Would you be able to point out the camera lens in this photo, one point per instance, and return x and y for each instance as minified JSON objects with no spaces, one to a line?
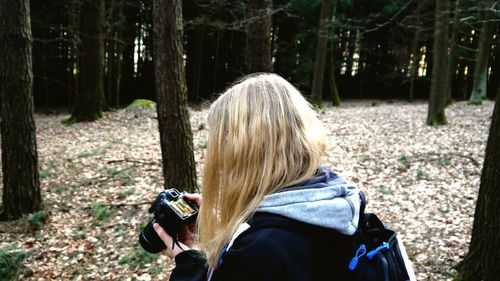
{"x":149,"y":239}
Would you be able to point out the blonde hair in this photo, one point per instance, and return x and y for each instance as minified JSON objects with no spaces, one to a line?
{"x":263,"y":136}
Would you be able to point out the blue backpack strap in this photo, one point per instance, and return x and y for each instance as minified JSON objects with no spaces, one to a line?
{"x":379,"y":254}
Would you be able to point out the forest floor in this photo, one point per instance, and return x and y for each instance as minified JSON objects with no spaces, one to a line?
{"x":99,"y":178}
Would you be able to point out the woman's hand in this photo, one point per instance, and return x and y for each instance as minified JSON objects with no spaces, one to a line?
{"x":169,"y":242}
{"x":196,"y":197}
{"x":185,"y":235}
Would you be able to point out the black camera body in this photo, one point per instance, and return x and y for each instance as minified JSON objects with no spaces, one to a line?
{"x":171,"y":212}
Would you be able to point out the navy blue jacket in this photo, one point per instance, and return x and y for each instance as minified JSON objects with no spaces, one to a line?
{"x":301,"y":233}
{"x":275,"y":248}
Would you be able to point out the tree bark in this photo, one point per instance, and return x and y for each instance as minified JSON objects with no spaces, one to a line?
{"x":128,"y":79}
{"x":21,"y":184}
{"x":415,"y":51}
{"x":286,"y":43}
{"x":334,"y":92}
{"x":74,"y":50}
{"x":194,"y":64}
{"x":176,"y":138}
{"x":452,"y":65}
{"x":258,"y":31}
{"x":481,"y":262}
{"x":437,"y":100}
{"x":114,"y":50}
{"x":480,"y":79}
{"x":321,"y":49}
{"x":90,"y":99}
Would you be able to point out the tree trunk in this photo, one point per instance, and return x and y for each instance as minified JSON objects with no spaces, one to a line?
{"x":286,"y":43}
{"x":481,"y":263}
{"x":321,"y":49}
{"x":452,"y":65}
{"x":114,"y":51}
{"x":216,"y":59}
{"x":415,"y":51}
{"x":176,"y":138}
{"x":334,"y":92}
{"x":74,"y":50}
{"x":258,"y":33}
{"x":437,"y":100}
{"x":128,"y":80}
{"x":480,"y":78}
{"x":21,"y":184}
{"x":90,"y":99}
{"x":194,"y":64}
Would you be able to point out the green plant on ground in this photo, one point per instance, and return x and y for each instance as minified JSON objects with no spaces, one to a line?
{"x":444,"y":161}
{"x":101,"y":213}
{"x":38,"y":219}
{"x":202,"y":144}
{"x":93,"y":152}
{"x":10,"y":263}
{"x":155,"y":271}
{"x":405,"y":160}
{"x":422,"y":175}
{"x":78,"y":234}
{"x":47,"y":168}
{"x":386,"y":190}
{"x":69,"y":121}
{"x":126,"y":193}
{"x":137,"y":258}
{"x":125,"y":177}
{"x":113,"y":170}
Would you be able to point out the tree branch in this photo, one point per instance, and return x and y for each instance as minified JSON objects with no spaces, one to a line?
{"x":379,"y":26}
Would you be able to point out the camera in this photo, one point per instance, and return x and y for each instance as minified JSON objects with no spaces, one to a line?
{"x":171,"y":212}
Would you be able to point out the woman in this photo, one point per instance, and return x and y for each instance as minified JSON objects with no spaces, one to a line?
{"x":270,"y":211}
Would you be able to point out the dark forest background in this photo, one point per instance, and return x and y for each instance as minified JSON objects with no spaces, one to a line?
{"x":88,"y":56}
{"x":373,"y":48}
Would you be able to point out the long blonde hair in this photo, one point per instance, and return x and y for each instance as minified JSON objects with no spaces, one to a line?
{"x":263,"y":136}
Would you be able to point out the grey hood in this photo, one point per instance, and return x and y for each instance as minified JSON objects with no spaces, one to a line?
{"x":326,"y":200}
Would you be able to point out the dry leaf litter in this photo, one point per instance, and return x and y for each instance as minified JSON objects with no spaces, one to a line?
{"x":98,"y":180}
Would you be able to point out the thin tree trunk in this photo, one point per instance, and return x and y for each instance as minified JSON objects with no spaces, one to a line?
{"x":415,"y":51}
{"x":176,"y":138}
{"x":480,"y":79}
{"x":452,"y":65}
{"x":416,"y":59}
{"x":128,"y":80}
{"x":90,"y":99}
{"x":216,"y":59}
{"x":286,"y":43}
{"x":74,"y":34}
{"x":194,"y":64}
{"x":258,"y":33}
{"x":21,"y":184}
{"x":115,"y":56}
{"x":482,"y":260}
{"x":118,"y":67}
{"x":334,"y":92}
{"x":321,"y":50}
{"x":437,"y":100}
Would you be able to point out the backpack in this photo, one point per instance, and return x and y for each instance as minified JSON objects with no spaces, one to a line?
{"x":379,"y":254}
